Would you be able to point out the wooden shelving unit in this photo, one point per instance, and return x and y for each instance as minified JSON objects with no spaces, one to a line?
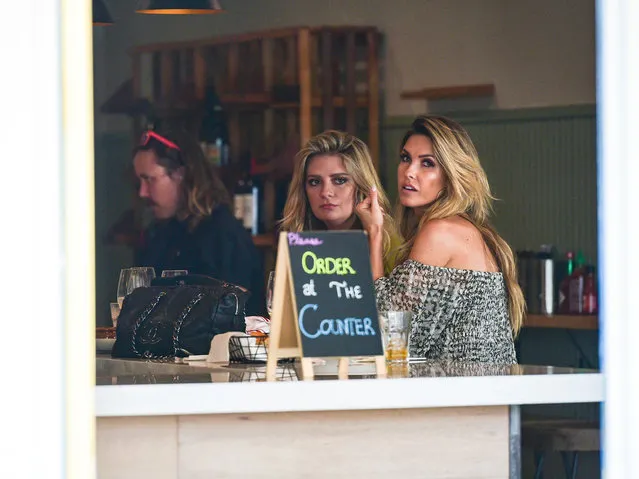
{"x":331,"y":75}
{"x":264,"y":241}
{"x":583,"y":322}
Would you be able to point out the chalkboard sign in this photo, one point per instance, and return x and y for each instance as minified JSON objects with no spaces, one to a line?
{"x":334,"y":294}
{"x":324,"y":300}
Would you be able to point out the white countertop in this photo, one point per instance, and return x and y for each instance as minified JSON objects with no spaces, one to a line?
{"x":141,"y":388}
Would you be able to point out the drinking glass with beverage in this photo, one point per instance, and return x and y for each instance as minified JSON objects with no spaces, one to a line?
{"x":269,"y":292}
{"x":395,"y":327}
{"x":115,"y":313}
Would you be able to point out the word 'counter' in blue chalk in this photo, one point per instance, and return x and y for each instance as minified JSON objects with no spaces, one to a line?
{"x":335,"y":327}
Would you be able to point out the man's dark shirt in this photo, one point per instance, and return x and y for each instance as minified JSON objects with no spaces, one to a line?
{"x":219,"y":247}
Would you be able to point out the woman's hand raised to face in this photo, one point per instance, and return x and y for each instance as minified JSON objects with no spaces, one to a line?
{"x":372,"y":218}
{"x":370,"y":213}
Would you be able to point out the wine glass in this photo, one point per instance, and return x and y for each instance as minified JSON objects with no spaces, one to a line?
{"x":269,"y":292}
{"x":150,"y":273}
{"x":132,"y":278}
{"x":125,"y":274}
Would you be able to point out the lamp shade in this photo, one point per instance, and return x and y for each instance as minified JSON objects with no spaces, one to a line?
{"x":101,"y":15}
{"x":180,"y":7}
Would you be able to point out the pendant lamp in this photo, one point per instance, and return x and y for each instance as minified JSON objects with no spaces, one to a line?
{"x":101,"y":15}
{"x":180,"y":7}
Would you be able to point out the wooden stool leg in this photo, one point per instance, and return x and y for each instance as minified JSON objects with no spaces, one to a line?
{"x":570,"y":464}
{"x":539,"y":464}
{"x":574,"y":465}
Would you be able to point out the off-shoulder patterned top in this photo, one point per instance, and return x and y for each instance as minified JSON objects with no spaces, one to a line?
{"x":458,"y":314}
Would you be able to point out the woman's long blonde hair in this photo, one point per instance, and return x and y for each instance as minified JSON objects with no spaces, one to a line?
{"x":466,"y":193}
{"x":358,"y":163}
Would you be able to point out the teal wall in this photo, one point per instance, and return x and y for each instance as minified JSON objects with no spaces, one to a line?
{"x":541,"y":165}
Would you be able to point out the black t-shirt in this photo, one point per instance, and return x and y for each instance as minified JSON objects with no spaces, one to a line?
{"x":219,"y":247}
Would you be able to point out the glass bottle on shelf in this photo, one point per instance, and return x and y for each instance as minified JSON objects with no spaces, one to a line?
{"x":590,"y":292}
{"x":247,"y":199}
{"x":576,"y":286}
{"x":252,"y":200}
{"x":256,"y":203}
{"x":564,"y":285}
{"x":240,"y":198}
{"x":214,"y":130}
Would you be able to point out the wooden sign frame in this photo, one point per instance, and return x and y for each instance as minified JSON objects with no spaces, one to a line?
{"x":284,"y":339}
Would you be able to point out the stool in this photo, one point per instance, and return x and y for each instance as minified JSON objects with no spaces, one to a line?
{"x":569,"y":437}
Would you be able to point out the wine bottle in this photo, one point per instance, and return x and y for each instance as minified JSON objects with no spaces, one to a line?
{"x":239,"y":199}
{"x":253,"y":200}
{"x":214,"y":130}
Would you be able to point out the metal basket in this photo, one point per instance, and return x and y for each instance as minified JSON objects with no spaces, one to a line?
{"x":285,"y":372}
{"x":248,"y":349}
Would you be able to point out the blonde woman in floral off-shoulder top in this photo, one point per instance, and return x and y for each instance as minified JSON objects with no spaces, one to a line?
{"x":456,"y":274}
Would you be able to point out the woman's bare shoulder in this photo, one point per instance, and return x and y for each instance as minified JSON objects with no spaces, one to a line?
{"x":442,"y":242}
{"x":434,"y":243}
{"x":464,"y":230}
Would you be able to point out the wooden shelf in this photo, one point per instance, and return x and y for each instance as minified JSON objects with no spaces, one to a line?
{"x":251,"y":36}
{"x":193,"y":107}
{"x":265,"y":100}
{"x":449,"y":92}
{"x":245,"y":99}
{"x":264,"y":240}
{"x":564,"y":321}
{"x":285,"y":78}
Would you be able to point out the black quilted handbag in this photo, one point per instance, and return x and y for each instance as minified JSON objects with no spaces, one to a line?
{"x":178,"y":319}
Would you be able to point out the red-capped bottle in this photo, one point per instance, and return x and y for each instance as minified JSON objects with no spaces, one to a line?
{"x":590,"y":292}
